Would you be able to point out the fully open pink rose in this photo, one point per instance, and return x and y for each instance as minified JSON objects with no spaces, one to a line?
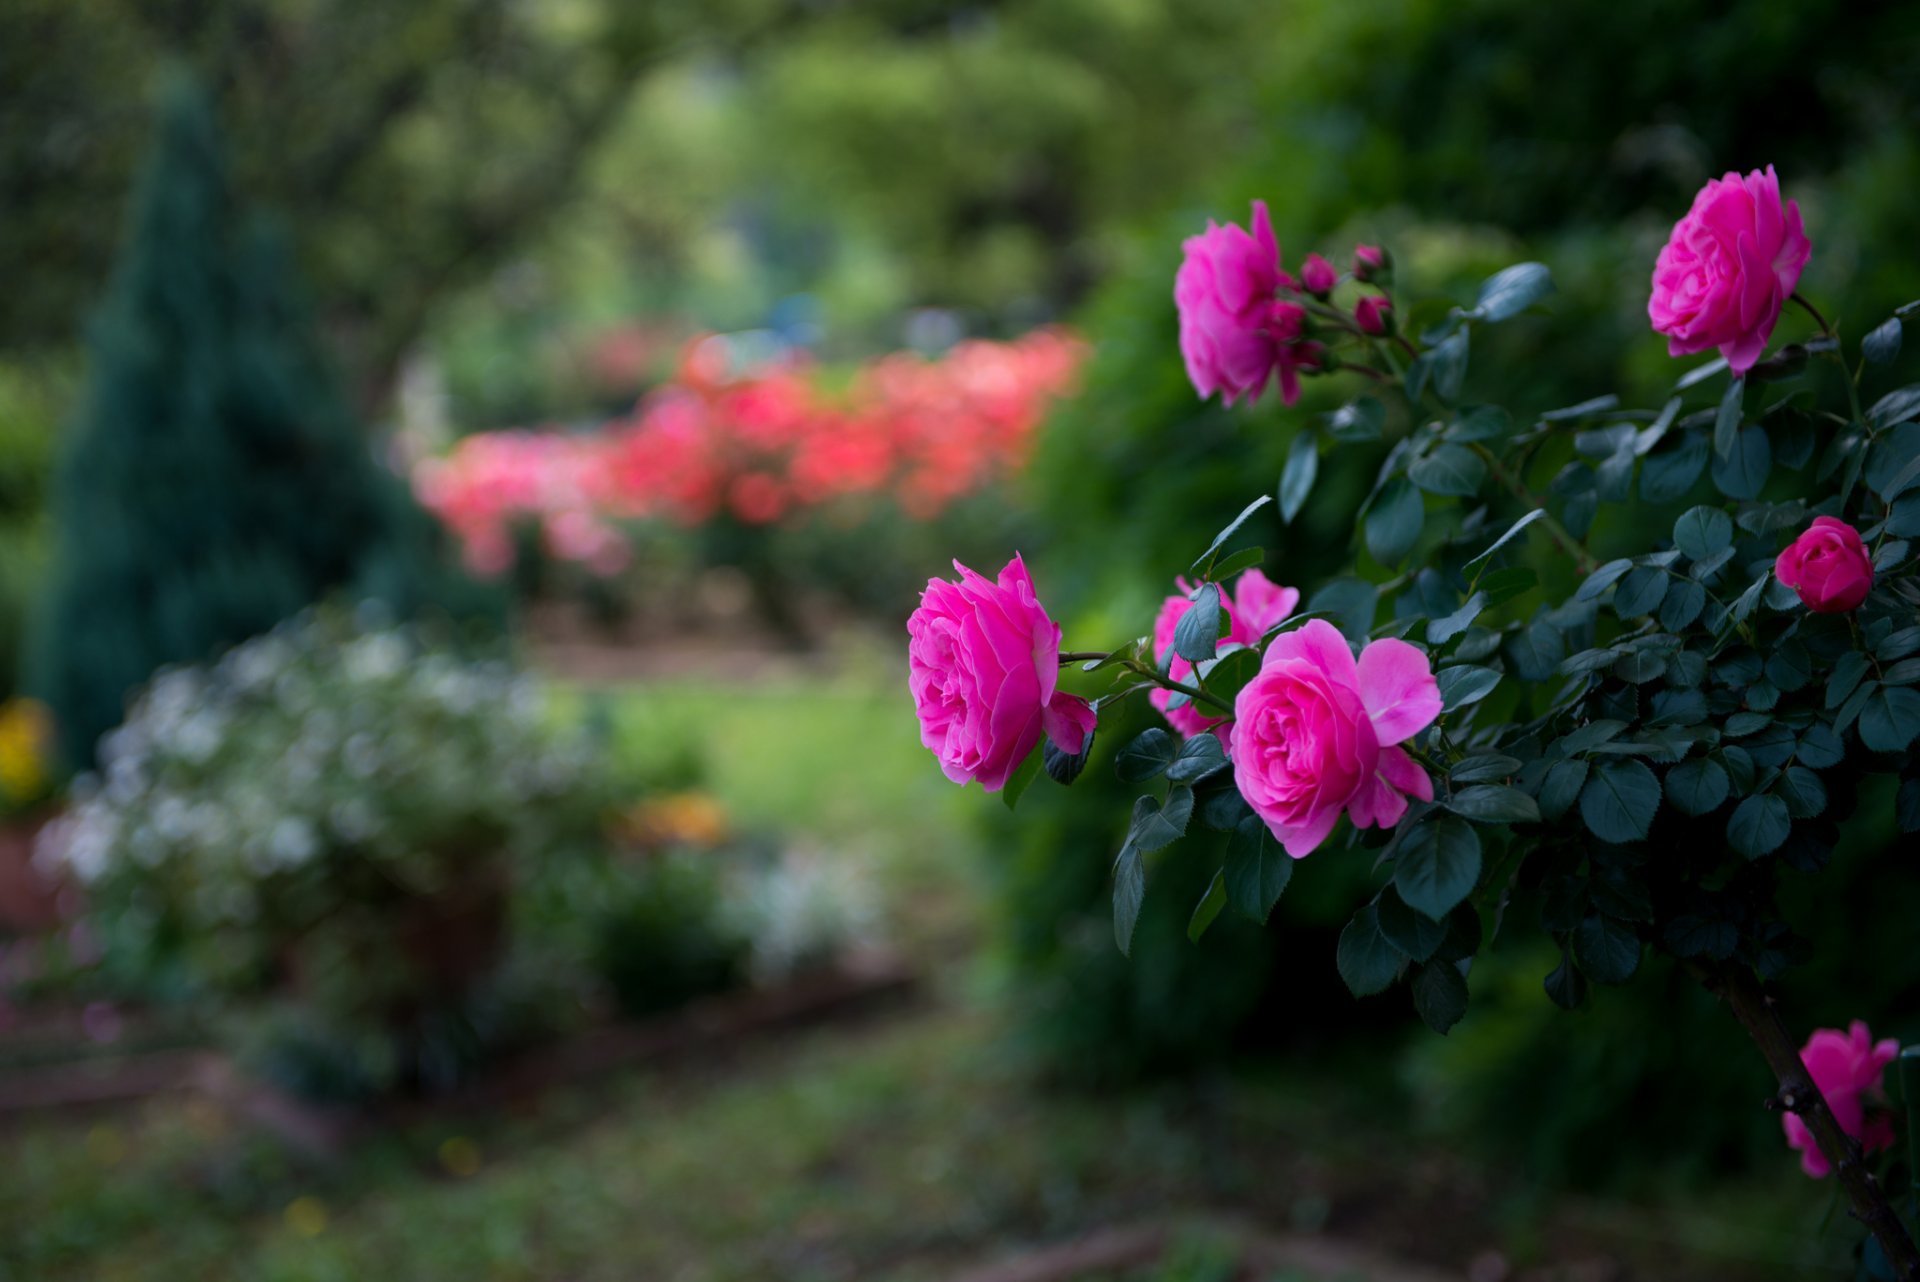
{"x":1846,"y":1067}
{"x":1314,"y":734}
{"x":1256,"y":604}
{"x":982,"y":662}
{"x":1234,"y":334}
{"x":1728,"y":269}
{"x":1828,"y":566}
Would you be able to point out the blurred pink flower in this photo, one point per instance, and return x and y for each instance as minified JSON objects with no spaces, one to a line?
{"x":1256,"y":604}
{"x":1846,"y":1067}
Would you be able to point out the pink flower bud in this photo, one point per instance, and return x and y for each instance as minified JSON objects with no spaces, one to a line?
{"x":1371,"y":313}
{"x":1318,"y":275}
{"x":1368,"y":261}
{"x":1828,"y":566}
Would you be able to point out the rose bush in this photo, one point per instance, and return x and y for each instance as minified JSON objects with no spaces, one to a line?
{"x":1620,"y":736}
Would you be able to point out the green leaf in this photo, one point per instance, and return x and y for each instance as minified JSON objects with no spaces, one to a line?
{"x":1129,"y":890}
{"x":1450,"y":469}
{"x":1440,"y":995}
{"x":1895,"y":407}
{"x":1608,"y":950}
{"x":1883,"y":344}
{"x":1222,"y":810}
{"x":1296,"y":479}
{"x":1156,"y":826}
{"x":1208,"y":908}
{"x":1602,"y":579}
{"x":1447,"y":627}
{"x":1561,"y":788}
{"x":1064,"y":767}
{"x":1669,"y":474}
{"x":1820,"y":747}
{"x":1789,"y":667}
{"x":1640,"y":592}
{"x":1726,"y":420}
{"x":1511,"y":290}
{"x":1758,"y":826}
{"x":1199,"y":757}
{"x":1846,"y":674}
{"x":1494,"y":804}
{"x":1691,"y":936}
{"x":1366,"y":961}
{"x":1243,"y":559}
{"x":1566,"y":986}
{"x":1361,"y":419}
{"x":1200,"y":561}
{"x":1483,"y":766}
{"x":1702,"y":532}
{"x":1437,"y":865}
{"x":1257,"y":869}
{"x":1394,"y":522}
{"x":1151,"y":752}
{"x":1592,"y":735}
{"x":1351,"y":602}
{"x":1022,"y":778}
{"x":1504,"y":539}
{"x":1463,"y":684}
{"x":1742,"y":474}
{"x":1619,"y":801}
{"x":1480,"y":423}
{"x":1682,"y":604}
{"x":1444,"y":366}
{"x":1536,"y":650}
{"x":1801,"y":789}
{"x":1697,"y":786}
{"x":1197,"y":635}
{"x":1414,"y":934}
{"x":1891,"y":719}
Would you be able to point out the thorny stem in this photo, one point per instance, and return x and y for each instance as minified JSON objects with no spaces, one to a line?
{"x":1814,"y":312}
{"x":1518,"y":488}
{"x":1758,"y":1015}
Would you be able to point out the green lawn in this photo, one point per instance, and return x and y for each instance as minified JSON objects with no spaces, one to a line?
{"x":900,"y":1148}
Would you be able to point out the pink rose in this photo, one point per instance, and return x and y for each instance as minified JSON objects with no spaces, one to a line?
{"x":1370,"y":313}
{"x":1314,"y":734}
{"x":1234,"y":334}
{"x":1257,"y":603}
{"x":1728,"y":269}
{"x":1845,"y":1067}
{"x":1828,"y":566}
{"x":1368,"y":261}
{"x":982,"y":662}
{"x":1318,"y":275}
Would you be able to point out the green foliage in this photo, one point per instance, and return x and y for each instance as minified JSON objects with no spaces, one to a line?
{"x":660,"y":938}
{"x":213,"y":482}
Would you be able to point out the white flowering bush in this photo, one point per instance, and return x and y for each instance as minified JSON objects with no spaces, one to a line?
{"x":329,"y":811}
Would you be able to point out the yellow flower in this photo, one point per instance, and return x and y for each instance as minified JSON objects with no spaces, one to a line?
{"x":26,"y":730}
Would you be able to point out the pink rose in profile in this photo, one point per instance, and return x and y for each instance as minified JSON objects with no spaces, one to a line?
{"x":1828,"y":566}
{"x":1370,"y":313}
{"x":982,"y":662}
{"x":1314,"y":734}
{"x":1256,"y":604}
{"x":1234,"y":334}
{"x":1318,"y":275}
{"x":1728,"y":268}
{"x":1846,"y":1067}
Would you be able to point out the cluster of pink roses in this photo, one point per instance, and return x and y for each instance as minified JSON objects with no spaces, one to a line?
{"x":1245,"y":322}
{"x":762,"y":448}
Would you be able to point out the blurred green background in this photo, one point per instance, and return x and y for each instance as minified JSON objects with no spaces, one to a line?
{"x":260,"y":254}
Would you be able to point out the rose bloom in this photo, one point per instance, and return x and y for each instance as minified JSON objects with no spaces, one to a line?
{"x":1234,"y":334}
{"x":1846,"y":1067}
{"x":1314,"y":734}
{"x":1828,"y":566}
{"x":982,"y":662}
{"x":1318,"y":275}
{"x":1370,"y":314}
{"x":1728,"y":268}
{"x":1256,"y":604}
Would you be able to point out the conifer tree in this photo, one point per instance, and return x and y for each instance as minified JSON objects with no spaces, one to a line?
{"x":213,"y":481}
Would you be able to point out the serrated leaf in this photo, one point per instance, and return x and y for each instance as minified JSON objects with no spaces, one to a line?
{"x":1697,"y":786}
{"x":1742,"y":473}
{"x":1064,"y":767}
{"x":1150,"y":753}
{"x":1494,"y":804}
{"x":1437,"y":865}
{"x":1464,"y":684}
{"x":1219,"y":539}
{"x":1882,"y":345}
{"x":1366,"y":961}
{"x":1439,"y":995}
{"x":1758,"y":826}
{"x":1257,"y":870}
{"x":1640,"y":592}
{"x":1702,"y":532}
{"x":1483,"y":766}
{"x":1198,"y":758}
{"x":1197,"y":635}
{"x":1620,"y":800}
{"x":1208,"y":908}
{"x":1669,"y":474}
{"x":1450,"y":470}
{"x":1415,"y":934}
{"x":1512,"y":290}
{"x":1890,"y":720}
{"x":1802,"y":790}
{"x":1561,"y":787}
{"x":1608,"y":950}
{"x":1682,"y":604}
{"x":1447,"y":627}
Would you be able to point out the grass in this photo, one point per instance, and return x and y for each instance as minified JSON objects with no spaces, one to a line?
{"x":895,"y":1150}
